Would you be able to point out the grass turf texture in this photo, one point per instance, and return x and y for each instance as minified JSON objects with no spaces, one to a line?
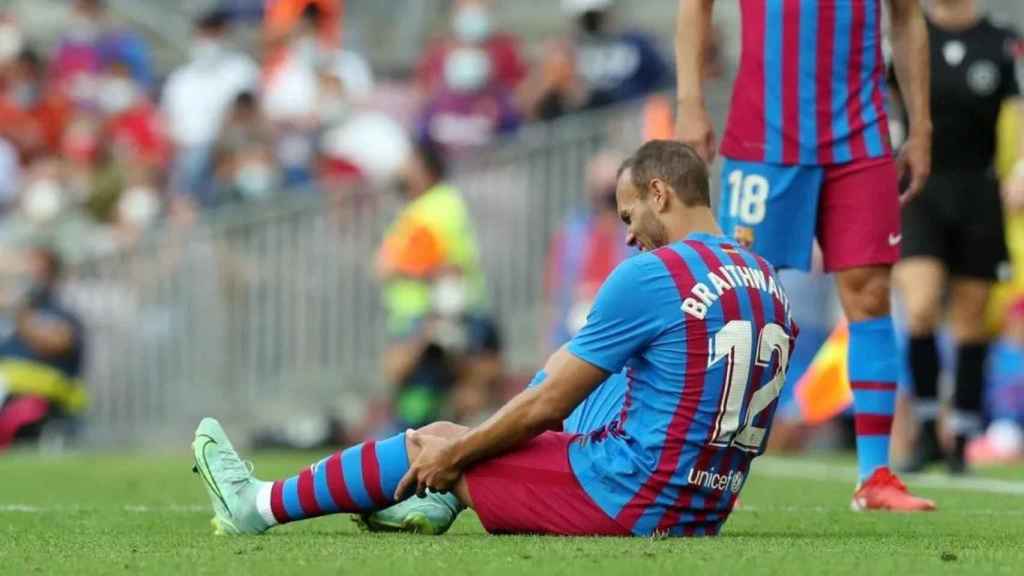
{"x":101,"y":514}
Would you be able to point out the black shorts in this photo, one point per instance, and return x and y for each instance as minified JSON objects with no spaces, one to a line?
{"x":958,"y":219}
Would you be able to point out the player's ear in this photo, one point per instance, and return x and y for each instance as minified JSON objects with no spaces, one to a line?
{"x":660,"y":195}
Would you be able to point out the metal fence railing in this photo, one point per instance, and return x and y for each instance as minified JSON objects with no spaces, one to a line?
{"x":261,"y":311}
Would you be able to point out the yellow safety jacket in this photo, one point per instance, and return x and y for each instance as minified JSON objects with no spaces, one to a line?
{"x":22,"y":376}
{"x":430,"y":235}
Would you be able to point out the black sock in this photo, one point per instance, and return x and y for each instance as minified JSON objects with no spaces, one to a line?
{"x":924,"y":367}
{"x":967,"y":396}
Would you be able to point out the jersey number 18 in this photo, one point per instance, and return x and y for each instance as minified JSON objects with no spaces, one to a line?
{"x":748,"y":197}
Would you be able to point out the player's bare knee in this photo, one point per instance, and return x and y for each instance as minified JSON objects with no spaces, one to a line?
{"x":864,"y":292}
{"x":920,"y":283}
{"x":970,"y":331}
{"x":968,"y":325}
{"x":922,"y":316}
{"x":443,"y":429}
{"x":968,"y":303}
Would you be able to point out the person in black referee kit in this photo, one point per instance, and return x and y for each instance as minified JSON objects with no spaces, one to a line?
{"x":953,"y":236}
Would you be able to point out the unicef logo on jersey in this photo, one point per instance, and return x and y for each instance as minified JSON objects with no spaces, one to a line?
{"x":983,"y":77}
{"x":731,"y":482}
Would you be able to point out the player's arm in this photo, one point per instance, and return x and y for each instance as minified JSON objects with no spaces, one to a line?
{"x":533,"y":411}
{"x":537,"y":409}
{"x":693,"y":35}
{"x":909,"y":38}
{"x":626,"y":316}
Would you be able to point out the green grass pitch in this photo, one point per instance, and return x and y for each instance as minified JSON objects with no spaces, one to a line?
{"x":119,"y":514}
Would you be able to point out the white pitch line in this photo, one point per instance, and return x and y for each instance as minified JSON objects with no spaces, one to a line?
{"x":21,"y":508}
{"x":845,"y":509}
{"x":188,"y":509}
{"x":802,"y":469}
{"x":135,"y":508}
{"x":771,"y":466}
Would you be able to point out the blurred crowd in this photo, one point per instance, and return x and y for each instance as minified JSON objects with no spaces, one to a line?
{"x":97,"y":145}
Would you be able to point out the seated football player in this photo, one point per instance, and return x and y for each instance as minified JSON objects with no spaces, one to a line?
{"x":703,"y":330}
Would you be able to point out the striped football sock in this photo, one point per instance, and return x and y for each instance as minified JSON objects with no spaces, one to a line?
{"x":358,"y":479}
{"x":873,"y":366}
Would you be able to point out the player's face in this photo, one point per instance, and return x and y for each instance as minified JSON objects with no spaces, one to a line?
{"x":644,"y":230}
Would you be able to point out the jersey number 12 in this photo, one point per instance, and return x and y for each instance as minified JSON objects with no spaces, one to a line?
{"x":732,"y":343}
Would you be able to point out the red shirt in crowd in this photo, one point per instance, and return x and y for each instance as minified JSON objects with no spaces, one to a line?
{"x":507,"y":64}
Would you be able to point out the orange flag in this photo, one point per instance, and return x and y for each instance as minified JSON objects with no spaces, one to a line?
{"x":824,"y":390}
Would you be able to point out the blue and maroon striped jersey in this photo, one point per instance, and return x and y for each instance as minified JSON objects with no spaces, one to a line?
{"x":810,"y":83}
{"x":704,"y":332}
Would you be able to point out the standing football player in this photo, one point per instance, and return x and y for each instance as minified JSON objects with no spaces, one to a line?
{"x":807,"y":155}
{"x":953,"y":235}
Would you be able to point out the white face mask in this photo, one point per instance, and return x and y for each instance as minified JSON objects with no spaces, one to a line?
{"x":472,"y":24}
{"x":82,"y":29}
{"x":42,"y":201}
{"x":11,"y":42}
{"x":138,"y":206}
{"x":117,"y":95}
{"x":467,"y":69}
{"x":333,"y":109}
{"x":205,"y":51}
{"x":255,"y":181}
{"x":306,"y":50}
{"x":450,"y":296}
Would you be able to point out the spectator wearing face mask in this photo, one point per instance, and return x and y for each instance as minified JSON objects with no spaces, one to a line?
{"x":470,"y":109}
{"x":245,"y":167}
{"x":129,"y":158}
{"x":309,"y":84}
{"x":445,"y":348}
{"x":305,"y":60}
{"x":472,"y":24}
{"x":123,"y":202}
{"x":197,"y":98}
{"x":12,"y":42}
{"x":290,"y":76}
{"x":91,"y":42}
{"x":132,"y":125}
{"x":48,"y":208}
{"x":31,"y":117}
{"x":616,"y":66}
{"x":41,"y":202}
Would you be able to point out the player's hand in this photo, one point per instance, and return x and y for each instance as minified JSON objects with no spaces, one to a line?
{"x":694,"y":127}
{"x":433,"y":468}
{"x":915,"y":165}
